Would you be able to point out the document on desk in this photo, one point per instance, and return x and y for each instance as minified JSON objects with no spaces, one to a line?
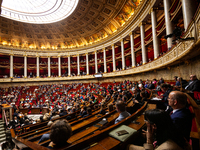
{"x":156,"y":99}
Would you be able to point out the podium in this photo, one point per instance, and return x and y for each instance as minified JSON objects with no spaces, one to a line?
{"x":8,"y":111}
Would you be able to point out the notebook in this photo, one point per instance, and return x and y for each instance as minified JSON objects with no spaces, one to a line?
{"x":124,"y":136}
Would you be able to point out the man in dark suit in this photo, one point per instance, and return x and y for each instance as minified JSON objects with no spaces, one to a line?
{"x":180,"y":115}
{"x":193,"y":84}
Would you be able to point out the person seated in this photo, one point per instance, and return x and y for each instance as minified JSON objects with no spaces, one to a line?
{"x":121,"y":108}
{"x":89,"y":112}
{"x":151,"y":85}
{"x":166,"y":89}
{"x":102,"y":111}
{"x":193,"y":84}
{"x":16,"y":123}
{"x":180,"y":114}
{"x":161,"y":128}
{"x":83,"y":111}
{"x":60,"y":132}
{"x":136,"y":93}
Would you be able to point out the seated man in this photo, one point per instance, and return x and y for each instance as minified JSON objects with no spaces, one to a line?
{"x":180,"y":115}
{"x":166,"y":89}
{"x":193,"y":84}
{"x":59,"y":134}
{"x":121,"y":108}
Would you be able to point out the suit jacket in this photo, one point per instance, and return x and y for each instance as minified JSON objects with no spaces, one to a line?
{"x":182,"y":119}
{"x":194,"y":86}
{"x":122,"y":116}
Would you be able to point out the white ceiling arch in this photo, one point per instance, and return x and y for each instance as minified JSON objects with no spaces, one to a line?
{"x":38,"y":11}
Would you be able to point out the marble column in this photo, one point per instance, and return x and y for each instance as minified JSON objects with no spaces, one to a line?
{"x":132,"y":50}
{"x":78,"y":65}
{"x":69,"y":67}
{"x":113,"y":57}
{"x":154,"y":34}
{"x":168,"y":23}
{"x":49,"y":66}
{"x":59,"y":66}
{"x":142,"y":35}
{"x":104,"y":60}
{"x":87,"y":64}
{"x":96,"y":65}
{"x":188,"y":11}
{"x":25,"y":66}
{"x":38,"y":66}
{"x":122,"y":52}
{"x":11,"y":65}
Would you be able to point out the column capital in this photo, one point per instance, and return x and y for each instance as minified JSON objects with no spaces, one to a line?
{"x":37,"y":56}
{"x":86,"y":53}
{"x":103,"y":48}
{"x":122,"y":40}
{"x":77,"y":55}
{"x":58,"y":56}
{"x":11,"y":54}
{"x":68,"y":55}
{"x":141,"y":23}
{"x":152,"y":9}
{"x":112,"y":44}
{"x":95,"y":51}
{"x":25,"y":55}
{"x":131,"y":33}
{"x":48,"y":56}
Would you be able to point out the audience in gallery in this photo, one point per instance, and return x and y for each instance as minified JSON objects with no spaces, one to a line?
{"x":161,"y":133}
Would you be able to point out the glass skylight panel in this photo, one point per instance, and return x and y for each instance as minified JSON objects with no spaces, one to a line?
{"x":38,"y":11}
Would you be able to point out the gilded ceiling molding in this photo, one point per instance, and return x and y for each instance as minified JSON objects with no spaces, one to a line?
{"x":131,"y":24}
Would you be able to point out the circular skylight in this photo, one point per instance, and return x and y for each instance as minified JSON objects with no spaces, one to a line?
{"x":38,"y":11}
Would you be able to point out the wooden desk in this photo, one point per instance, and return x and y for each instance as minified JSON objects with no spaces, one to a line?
{"x":35,"y":110}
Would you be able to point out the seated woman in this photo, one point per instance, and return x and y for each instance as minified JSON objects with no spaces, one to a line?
{"x":161,"y":128}
{"x":60,"y":132}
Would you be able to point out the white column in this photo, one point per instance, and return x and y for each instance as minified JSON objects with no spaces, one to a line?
{"x":96,"y":65}
{"x":38,"y":66}
{"x":144,"y":53}
{"x":11,"y":65}
{"x":78,"y":64}
{"x":155,"y":38}
{"x":25,"y":66}
{"x":104,"y":60}
{"x":132,"y":50}
{"x":168,"y":22}
{"x":122,"y":52}
{"x":87,"y":64}
{"x":59,"y":66}
{"x":49,"y":66}
{"x":188,"y":11}
{"x":69,"y":67}
{"x":113,"y":57}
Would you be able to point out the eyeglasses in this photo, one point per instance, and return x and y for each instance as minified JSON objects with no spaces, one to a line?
{"x":169,"y":98}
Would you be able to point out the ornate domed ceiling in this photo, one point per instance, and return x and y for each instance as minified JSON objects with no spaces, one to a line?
{"x":91,"y":21}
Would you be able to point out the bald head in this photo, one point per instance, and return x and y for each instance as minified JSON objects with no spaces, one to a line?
{"x":193,"y":77}
{"x":177,"y":100}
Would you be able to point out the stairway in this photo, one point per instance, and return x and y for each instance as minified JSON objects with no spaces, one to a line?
{"x":2,"y":132}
